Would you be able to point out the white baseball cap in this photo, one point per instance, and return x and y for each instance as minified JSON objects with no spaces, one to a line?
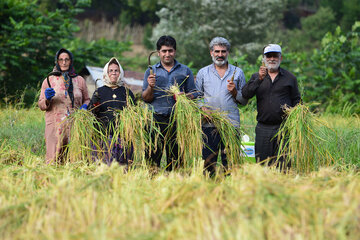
{"x":272,"y":48}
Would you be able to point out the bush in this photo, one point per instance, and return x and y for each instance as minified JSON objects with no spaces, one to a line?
{"x":333,"y":71}
{"x":30,"y":38}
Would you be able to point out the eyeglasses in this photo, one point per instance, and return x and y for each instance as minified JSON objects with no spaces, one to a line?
{"x":64,"y":60}
{"x":113,"y":71}
{"x":272,"y":55}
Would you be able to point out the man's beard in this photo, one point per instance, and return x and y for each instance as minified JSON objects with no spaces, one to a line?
{"x":219,"y":61}
{"x":272,"y":66}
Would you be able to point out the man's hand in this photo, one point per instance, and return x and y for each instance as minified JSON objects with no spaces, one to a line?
{"x":177,"y":94}
{"x":206,"y":113}
{"x":232,"y":88}
{"x":151,"y":80}
{"x":148,"y":93}
{"x":262,"y":72}
{"x":188,"y":95}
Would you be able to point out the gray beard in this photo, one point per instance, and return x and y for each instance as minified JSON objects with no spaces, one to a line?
{"x":272,"y":67}
{"x":219,"y":63}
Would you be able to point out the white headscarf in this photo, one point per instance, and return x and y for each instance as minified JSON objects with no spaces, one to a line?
{"x":106,"y":78}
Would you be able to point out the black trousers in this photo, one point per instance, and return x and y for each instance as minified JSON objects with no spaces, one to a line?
{"x":212,"y":145}
{"x":167,"y":138}
{"x":267,"y":145}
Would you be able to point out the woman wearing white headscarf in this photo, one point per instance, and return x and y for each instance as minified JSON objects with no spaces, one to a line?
{"x":108,"y":98}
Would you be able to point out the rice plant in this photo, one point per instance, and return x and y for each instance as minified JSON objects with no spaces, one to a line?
{"x":301,"y":142}
{"x":88,"y":201}
{"x":187,"y":118}
{"x":86,"y":137}
{"x":135,"y":126}
{"x":230,"y":135}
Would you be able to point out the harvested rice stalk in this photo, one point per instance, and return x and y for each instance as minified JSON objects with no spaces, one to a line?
{"x":134,"y":126}
{"x":301,"y":142}
{"x":85,"y":135}
{"x":230,"y":135}
{"x":187,"y":117}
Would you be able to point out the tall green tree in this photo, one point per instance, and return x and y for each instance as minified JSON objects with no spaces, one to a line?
{"x":330,"y":75}
{"x":346,"y":11}
{"x":29,"y":39}
{"x":334,"y":70}
{"x":195,"y":22}
{"x":313,"y":28}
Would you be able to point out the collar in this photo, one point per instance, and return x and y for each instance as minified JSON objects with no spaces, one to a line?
{"x":230,"y":69}
{"x":281,"y":71}
{"x":176,"y":64}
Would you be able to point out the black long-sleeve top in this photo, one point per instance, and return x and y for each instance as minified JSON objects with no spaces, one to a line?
{"x":272,"y":96}
{"x":106,"y":99}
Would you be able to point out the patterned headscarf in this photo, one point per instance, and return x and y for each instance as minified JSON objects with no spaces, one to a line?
{"x":68,"y":75}
{"x":106,"y":78}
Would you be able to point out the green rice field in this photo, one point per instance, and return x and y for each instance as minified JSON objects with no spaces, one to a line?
{"x":318,"y":199}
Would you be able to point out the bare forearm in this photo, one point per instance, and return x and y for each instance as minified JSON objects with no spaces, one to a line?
{"x":148,"y":94}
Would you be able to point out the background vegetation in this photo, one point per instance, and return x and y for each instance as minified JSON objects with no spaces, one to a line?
{"x":320,"y":39}
{"x":93,"y":201}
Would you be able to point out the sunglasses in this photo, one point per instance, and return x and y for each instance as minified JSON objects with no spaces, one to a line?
{"x":272,"y":55}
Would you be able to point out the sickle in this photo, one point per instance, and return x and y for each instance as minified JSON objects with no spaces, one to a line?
{"x":149,"y":62}
{"x":96,"y":83}
{"x":233,"y":76}
{"x":51,"y":74}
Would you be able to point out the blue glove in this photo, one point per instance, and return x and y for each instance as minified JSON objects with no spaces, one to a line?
{"x":84,"y":107}
{"x":49,"y":93}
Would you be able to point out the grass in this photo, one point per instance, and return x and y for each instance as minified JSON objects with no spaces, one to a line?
{"x":94,"y":201}
{"x":100,"y":202}
{"x":23,"y":129}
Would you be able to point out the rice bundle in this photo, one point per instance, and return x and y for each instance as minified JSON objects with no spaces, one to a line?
{"x":187,"y":118}
{"x":301,"y":142}
{"x":135,"y":126}
{"x":85,"y":135}
{"x":231,"y":137}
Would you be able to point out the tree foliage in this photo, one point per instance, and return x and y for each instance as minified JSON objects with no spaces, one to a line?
{"x":195,"y":22}
{"x":334,"y":70}
{"x":30,"y":38}
{"x":346,"y":11}
{"x":313,"y":28}
{"x":330,"y":75}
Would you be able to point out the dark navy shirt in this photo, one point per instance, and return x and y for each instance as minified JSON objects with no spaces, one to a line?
{"x":272,"y":97}
{"x":163,"y":101}
{"x":106,"y":100}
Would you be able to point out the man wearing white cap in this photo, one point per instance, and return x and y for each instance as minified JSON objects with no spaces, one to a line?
{"x":274,"y":88}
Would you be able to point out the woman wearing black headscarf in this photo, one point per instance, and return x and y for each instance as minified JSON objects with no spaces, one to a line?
{"x":62,"y":92}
